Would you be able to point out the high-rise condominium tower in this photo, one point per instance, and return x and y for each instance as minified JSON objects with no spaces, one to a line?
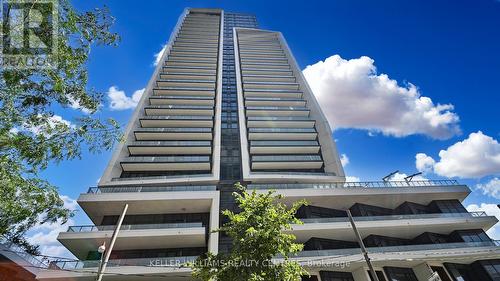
{"x":228,"y":103}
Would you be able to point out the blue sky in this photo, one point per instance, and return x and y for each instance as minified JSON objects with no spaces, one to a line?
{"x":447,"y":49}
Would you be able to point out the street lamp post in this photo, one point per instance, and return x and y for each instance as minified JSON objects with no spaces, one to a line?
{"x":362,"y":245}
{"x":107,"y":253}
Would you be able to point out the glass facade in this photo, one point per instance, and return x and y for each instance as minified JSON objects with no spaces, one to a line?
{"x":230,"y":161}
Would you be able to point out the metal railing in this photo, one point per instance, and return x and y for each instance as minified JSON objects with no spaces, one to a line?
{"x":118,"y":189}
{"x":148,"y":262}
{"x":94,"y":228}
{"x":372,"y":184}
{"x":399,"y":249}
{"x":397,"y":217}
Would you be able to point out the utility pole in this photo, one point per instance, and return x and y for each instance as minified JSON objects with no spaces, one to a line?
{"x":362,"y":245}
{"x":107,"y":253}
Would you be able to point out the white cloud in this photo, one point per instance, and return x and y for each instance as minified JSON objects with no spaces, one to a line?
{"x":46,"y":234}
{"x":491,"y":210}
{"x":74,"y":104}
{"x":353,"y":95}
{"x":475,"y":157}
{"x":401,"y":177}
{"x":344,"y":160}
{"x":120,"y":101}
{"x":491,"y":188}
{"x":159,"y":55}
{"x":352,"y":179}
{"x":423,"y":162}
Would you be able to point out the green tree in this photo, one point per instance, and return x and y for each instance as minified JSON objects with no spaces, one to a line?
{"x":32,"y":136}
{"x":258,"y":235}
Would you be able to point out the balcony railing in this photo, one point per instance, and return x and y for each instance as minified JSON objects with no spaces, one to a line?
{"x":94,"y":228}
{"x":372,"y":184}
{"x":398,"y":249}
{"x":149,"y":262}
{"x":397,"y":217}
{"x":119,"y":189}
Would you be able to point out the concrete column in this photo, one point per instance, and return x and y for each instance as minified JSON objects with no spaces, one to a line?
{"x":361,"y":274}
{"x":213,"y":238}
{"x":423,"y":271}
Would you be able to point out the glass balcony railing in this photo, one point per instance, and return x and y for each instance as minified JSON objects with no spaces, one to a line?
{"x":94,"y":228}
{"x":285,"y":158}
{"x":397,"y":217}
{"x":119,"y":189}
{"x":184,"y":97}
{"x":272,"y":99}
{"x":373,"y":184}
{"x":149,"y":262}
{"x":170,"y":143}
{"x":399,"y":249}
{"x":281,"y":130}
{"x":276,"y":107}
{"x":166,"y":159}
{"x":176,"y":106}
{"x":173,"y":130}
{"x":278,"y":118}
{"x":284,"y":143}
{"x":178,"y":117}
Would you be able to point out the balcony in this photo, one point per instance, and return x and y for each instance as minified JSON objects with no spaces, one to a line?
{"x":201,"y":49}
{"x":266,"y":66}
{"x":148,"y":199}
{"x":195,"y":84}
{"x":266,"y":78}
{"x":279,"y":122}
{"x":182,"y":100}
{"x":126,"y":189}
{"x":271,"y":86}
{"x":388,"y":194}
{"x":185,"y":92}
{"x":168,"y":268}
{"x":179,"y":110}
{"x":190,"y":63}
{"x":189,"y":69}
{"x":273,"y":94}
{"x":277,"y":111}
{"x":286,"y":162}
{"x":188,"y":76}
{"x":273,"y":101}
{"x":149,"y":134}
{"x":194,"y":121}
{"x":258,"y":71}
{"x":272,"y":60}
{"x":401,"y":226}
{"x":411,"y":254}
{"x":170,"y":147}
{"x":166,"y":163}
{"x":284,"y":147}
{"x":82,"y":239}
{"x":282,"y":133}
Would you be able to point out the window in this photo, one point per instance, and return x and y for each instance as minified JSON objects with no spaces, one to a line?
{"x":380,"y":275}
{"x":400,"y":274}
{"x":335,"y":276}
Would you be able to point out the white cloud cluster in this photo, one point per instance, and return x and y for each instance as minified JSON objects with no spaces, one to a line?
{"x":475,"y":157}
{"x":491,"y":210}
{"x":491,"y":188}
{"x":352,"y":179}
{"x":74,"y":104}
{"x":353,"y":95}
{"x":118,"y":100}
{"x":344,"y":160}
{"x":159,"y":55}
{"x":401,"y":177}
{"x":46,"y":234}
